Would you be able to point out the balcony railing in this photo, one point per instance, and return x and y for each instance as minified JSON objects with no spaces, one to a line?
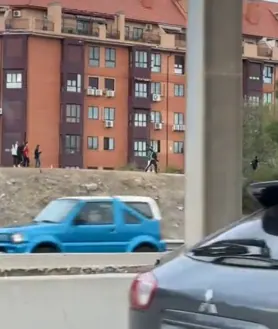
{"x":29,"y":24}
{"x":180,"y":41}
{"x":259,"y":51}
{"x":264,"y":51}
{"x":146,"y":37}
{"x":113,"y":34}
{"x":17,"y":24}
{"x":44,"y":25}
{"x":71,"y":26}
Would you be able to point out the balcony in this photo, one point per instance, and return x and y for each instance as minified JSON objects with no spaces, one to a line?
{"x":17,"y":24}
{"x":29,"y":24}
{"x":180,"y":40}
{"x":73,"y":26}
{"x":261,"y":51}
{"x":113,"y":34}
{"x":43,"y":25}
{"x":145,"y":37}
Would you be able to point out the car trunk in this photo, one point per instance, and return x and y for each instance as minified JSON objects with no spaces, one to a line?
{"x":205,"y":295}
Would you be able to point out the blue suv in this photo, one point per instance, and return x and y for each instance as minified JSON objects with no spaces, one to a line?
{"x":89,"y":225}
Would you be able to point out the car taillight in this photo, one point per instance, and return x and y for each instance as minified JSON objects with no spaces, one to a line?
{"x":142,"y":291}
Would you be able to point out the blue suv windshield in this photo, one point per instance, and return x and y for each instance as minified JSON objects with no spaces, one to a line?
{"x":56,"y":211}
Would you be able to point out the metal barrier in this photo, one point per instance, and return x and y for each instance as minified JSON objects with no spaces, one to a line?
{"x":174,"y":244}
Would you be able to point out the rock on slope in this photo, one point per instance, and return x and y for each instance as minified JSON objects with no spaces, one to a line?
{"x":25,"y":191}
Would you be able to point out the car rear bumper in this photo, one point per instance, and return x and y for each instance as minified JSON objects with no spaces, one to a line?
{"x":143,"y":319}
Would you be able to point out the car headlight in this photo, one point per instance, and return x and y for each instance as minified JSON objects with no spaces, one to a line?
{"x":17,"y":238}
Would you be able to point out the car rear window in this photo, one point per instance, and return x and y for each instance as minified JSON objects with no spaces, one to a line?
{"x":260,"y":225}
{"x":142,"y":207}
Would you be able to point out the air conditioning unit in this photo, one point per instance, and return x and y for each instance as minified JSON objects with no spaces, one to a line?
{"x":158,"y":126}
{"x":1,"y":111}
{"x":110,"y":93}
{"x":16,"y":13}
{"x":109,"y":124}
{"x":149,"y":27}
{"x":91,"y":91}
{"x":99,"y":92}
{"x":156,"y":97}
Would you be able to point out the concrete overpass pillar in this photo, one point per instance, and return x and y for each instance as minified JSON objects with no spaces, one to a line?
{"x":214,"y":127}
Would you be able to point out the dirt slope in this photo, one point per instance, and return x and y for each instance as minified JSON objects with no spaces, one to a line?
{"x":23,"y":192}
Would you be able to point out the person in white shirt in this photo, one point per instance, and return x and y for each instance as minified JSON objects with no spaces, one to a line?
{"x":14,"y":154}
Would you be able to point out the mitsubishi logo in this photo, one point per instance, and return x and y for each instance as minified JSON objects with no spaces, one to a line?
{"x":207,"y":306}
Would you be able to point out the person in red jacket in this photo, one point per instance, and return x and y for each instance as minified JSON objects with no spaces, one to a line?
{"x":26,"y":155}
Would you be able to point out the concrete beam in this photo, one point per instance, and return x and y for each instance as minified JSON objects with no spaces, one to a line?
{"x":214,"y":131}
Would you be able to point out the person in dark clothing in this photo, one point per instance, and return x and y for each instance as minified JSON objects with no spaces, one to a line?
{"x":254,"y":163}
{"x":26,"y":155}
{"x":153,"y":160}
{"x":37,"y":156}
{"x":20,"y":155}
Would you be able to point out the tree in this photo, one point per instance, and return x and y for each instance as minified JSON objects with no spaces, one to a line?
{"x":258,"y":122}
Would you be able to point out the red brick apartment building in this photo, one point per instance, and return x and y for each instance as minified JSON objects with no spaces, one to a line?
{"x":95,"y":82}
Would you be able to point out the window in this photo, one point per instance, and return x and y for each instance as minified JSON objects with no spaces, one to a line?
{"x":267,"y":98}
{"x":93,"y":82}
{"x":108,"y":143}
{"x":155,"y":146}
{"x":92,"y":142}
{"x":83,"y":27}
{"x":94,"y":56}
{"x":268,"y":74}
{"x":56,"y":210}
{"x":156,"y":88}
{"x":13,"y":80}
{"x":137,"y":33}
{"x":179,"y":65}
{"x":156,"y":63}
{"x":140,"y":148}
{"x":141,"y":89}
{"x":252,"y":77}
{"x":140,"y":120}
{"x":127,"y":31}
{"x":73,"y":113}
{"x":156,"y":117}
{"x":130,"y":218}
{"x":260,"y":225}
{"x":109,"y":84}
{"x":93,"y":112}
{"x":179,"y":90}
{"x":110,"y":57}
{"x":74,"y":83}
{"x":141,"y":59}
{"x":95,"y":213}
{"x":178,"y":118}
{"x":109,"y":113}
{"x":141,"y":207}
{"x":253,"y":100}
{"x":72,"y":144}
{"x":178,"y":147}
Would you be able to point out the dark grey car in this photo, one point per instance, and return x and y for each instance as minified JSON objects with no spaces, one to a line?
{"x":228,"y":281}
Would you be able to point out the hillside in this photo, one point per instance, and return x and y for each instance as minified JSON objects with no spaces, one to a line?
{"x":24,"y":192}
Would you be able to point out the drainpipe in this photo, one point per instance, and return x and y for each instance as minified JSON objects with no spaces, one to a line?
{"x":167,"y":109}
